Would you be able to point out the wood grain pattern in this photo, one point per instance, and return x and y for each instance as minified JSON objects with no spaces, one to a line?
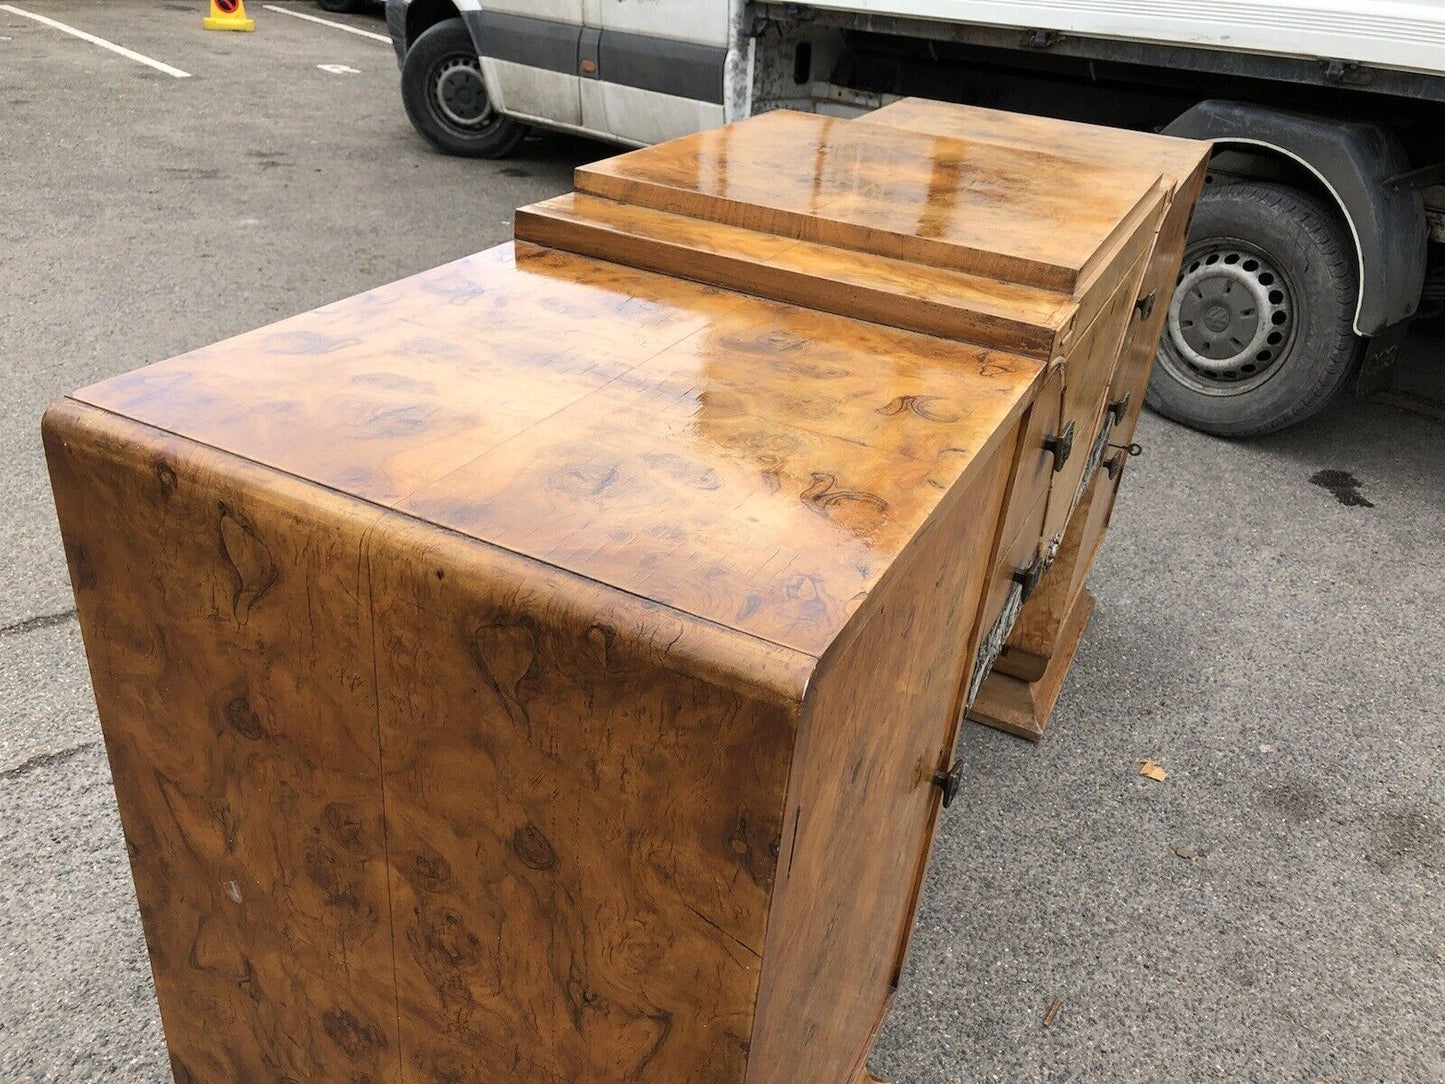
{"x":1176,"y":159}
{"x":1023,"y":707}
{"x":535,"y":671}
{"x":879,"y":721}
{"x":1088,"y":372}
{"x":916,"y":297}
{"x":1041,"y":635}
{"x":1022,"y":216}
{"x":1036,"y":632}
{"x":489,"y":665}
{"x":326,"y":663}
{"x":222,"y":619}
{"x":744,"y":461}
{"x":583,"y":831}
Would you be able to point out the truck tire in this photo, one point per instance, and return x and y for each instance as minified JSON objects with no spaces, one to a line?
{"x":446,"y":99}
{"x":1259,"y":334}
{"x":341,"y":7}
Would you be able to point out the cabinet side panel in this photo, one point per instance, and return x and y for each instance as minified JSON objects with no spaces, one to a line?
{"x":878,"y":723}
{"x":583,"y":832}
{"x":219,"y":607}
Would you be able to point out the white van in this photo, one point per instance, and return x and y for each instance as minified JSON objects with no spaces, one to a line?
{"x":1311,"y":248}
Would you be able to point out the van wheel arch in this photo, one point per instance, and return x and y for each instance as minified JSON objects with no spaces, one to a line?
{"x":1347,"y":164}
{"x":422,"y":15}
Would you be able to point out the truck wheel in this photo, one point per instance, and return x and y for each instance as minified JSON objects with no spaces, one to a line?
{"x":1259,"y":334}
{"x":446,"y":99}
{"x":341,"y":6}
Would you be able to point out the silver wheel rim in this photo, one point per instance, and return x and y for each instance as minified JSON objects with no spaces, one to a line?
{"x":1231,"y":320}
{"x":460,"y":95}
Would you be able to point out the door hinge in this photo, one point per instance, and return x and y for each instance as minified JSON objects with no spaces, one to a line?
{"x":1062,"y":446}
{"x":948,"y":782}
{"x":1118,"y":408}
{"x":1028,"y":578}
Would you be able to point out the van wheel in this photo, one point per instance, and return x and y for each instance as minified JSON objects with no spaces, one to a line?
{"x":446,"y":99}
{"x":341,"y":7}
{"x":1259,"y":335}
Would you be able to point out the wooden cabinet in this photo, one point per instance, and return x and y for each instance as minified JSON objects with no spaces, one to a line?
{"x":1019,"y":695}
{"x":548,"y":668}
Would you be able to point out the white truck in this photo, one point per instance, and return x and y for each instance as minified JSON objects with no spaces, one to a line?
{"x":1315,"y":243}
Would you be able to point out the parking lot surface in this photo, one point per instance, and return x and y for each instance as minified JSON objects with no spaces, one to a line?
{"x":1270,"y":633}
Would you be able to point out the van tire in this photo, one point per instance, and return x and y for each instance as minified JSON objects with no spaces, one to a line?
{"x":446,"y":98}
{"x":1260,"y":332}
{"x":341,"y":7}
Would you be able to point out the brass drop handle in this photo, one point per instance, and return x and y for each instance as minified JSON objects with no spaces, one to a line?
{"x":1062,"y":446}
{"x":948,"y":782}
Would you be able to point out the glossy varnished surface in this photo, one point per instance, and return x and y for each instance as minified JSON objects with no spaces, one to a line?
{"x":1019,"y":696}
{"x":402,"y":806}
{"x":1175,"y":158}
{"x":534,"y":672}
{"x":751,"y":463}
{"x":1009,"y":213}
{"x":913,"y":296}
{"x":879,"y":721}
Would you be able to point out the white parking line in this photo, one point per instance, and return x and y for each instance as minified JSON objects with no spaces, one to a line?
{"x":325,"y":22}
{"x":130,"y":54}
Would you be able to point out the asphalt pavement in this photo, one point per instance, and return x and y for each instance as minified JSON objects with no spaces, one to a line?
{"x":1269,"y":625}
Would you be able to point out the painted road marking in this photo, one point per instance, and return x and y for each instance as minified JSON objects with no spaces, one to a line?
{"x":339,"y":69}
{"x":83,"y":36}
{"x":327,"y":22}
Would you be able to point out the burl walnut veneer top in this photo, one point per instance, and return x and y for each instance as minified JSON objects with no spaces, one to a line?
{"x":747,"y":462}
{"x":1175,"y":158}
{"x":1018,"y":214}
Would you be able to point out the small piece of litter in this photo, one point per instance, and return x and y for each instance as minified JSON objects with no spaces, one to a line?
{"x":1440,"y":957}
{"x":1053,"y":1011}
{"x":1186,"y":852}
{"x":1153,"y":771}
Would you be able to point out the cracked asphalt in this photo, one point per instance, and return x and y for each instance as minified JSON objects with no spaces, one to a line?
{"x":1269,"y":625}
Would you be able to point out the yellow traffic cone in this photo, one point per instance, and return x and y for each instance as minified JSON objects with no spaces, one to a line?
{"x":228,"y":15}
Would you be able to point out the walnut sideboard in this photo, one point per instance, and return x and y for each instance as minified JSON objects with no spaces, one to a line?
{"x":548,"y":668}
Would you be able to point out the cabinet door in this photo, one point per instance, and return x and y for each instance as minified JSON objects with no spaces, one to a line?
{"x":529,"y":53}
{"x":879,"y":722}
{"x":659,"y":67}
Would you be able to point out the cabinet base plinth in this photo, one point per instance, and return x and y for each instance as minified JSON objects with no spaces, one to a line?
{"x":1023,"y":707}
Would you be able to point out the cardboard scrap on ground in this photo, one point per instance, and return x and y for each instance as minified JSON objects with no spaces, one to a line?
{"x":1153,"y":771}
